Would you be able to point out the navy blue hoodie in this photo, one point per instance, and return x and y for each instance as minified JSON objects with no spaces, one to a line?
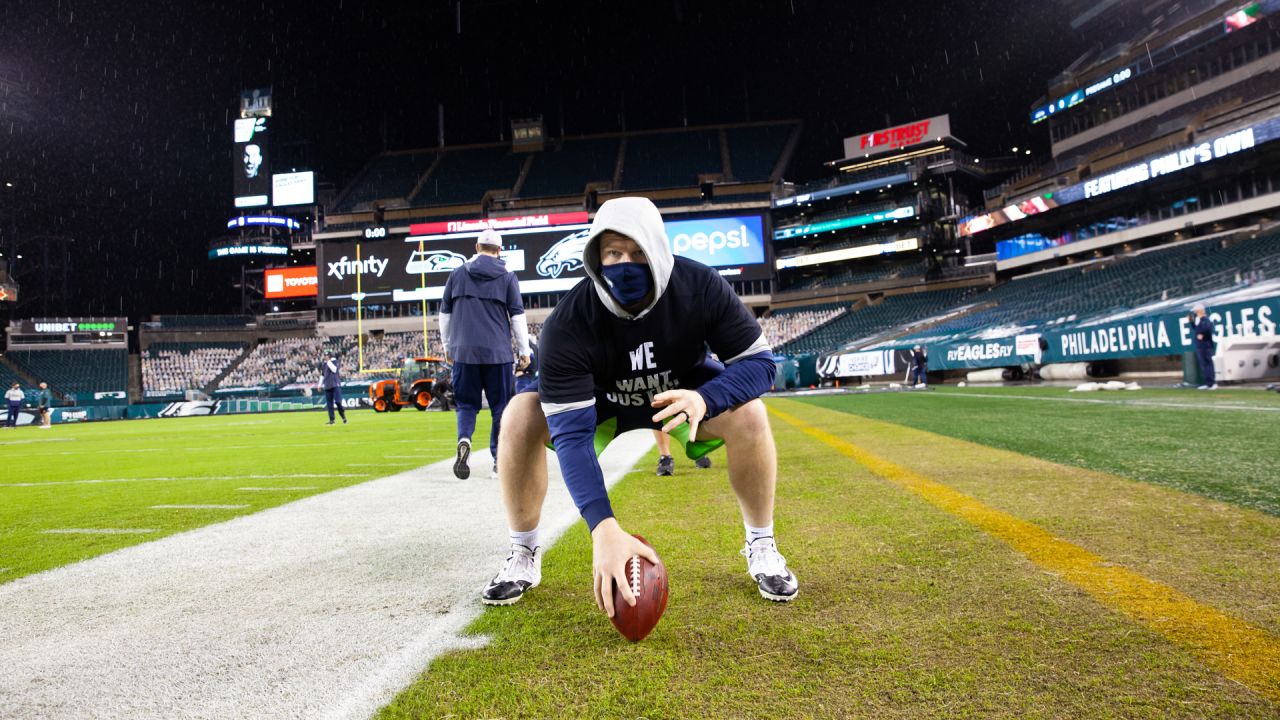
{"x":480,"y":299}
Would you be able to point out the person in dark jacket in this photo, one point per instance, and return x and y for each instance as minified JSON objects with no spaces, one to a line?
{"x":44,"y":404}
{"x":1205,"y":347}
{"x":626,"y":349}
{"x":479,"y":312}
{"x":919,"y":366}
{"x":331,"y":383}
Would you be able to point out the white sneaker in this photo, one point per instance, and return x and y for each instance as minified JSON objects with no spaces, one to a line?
{"x":768,"y":568}
{"x":521,"y":571}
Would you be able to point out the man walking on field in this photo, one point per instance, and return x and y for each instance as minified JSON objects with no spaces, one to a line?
{"x":479,"y":312}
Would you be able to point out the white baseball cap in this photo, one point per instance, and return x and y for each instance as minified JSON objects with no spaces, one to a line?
{"x":489,"y":237}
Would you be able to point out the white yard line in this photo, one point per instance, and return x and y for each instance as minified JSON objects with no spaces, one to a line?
{"x":198,"y":507}
{"x":1098,"y":401}
{"x":322,"y":608}
{"x":278,"y":489}
{"x":195,"y":478}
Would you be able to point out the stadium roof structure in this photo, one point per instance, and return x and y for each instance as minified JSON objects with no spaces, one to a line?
{"x":728,"y":165}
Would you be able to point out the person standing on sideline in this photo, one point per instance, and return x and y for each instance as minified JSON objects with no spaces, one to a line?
{"x":1205,"y":346}
{"x":331,"y":383}
{"x":479,"y":311}
{"x":14,"y":395}
{"x":920,"y":367}
{"x":666,"y":463}
{"x":44,"y":403}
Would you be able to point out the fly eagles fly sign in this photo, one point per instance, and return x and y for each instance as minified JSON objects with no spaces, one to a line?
{"x":414,"y":268}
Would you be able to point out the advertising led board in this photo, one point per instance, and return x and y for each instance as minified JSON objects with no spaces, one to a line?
{"x":290,"y":282}
{"x":884,"y":248}
{"x":247,"y":250}
{"x":251,"y":162}
{"x":499,"y":224}
{"x":842,"y":223}
{"x":898,"y":137}
{"x":62,"y":326}
{"x":293,"y":188}
{"x":1167,"y":164}
{"x":1078,"y":96}
{"x":263,"y":220}
{"x":544,"y":259}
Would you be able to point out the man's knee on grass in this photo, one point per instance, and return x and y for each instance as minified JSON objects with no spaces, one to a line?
{"x":747,"y":423}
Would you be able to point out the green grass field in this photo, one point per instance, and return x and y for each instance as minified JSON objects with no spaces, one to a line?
{"x":110,"y":475}
{"x":962,"y":553}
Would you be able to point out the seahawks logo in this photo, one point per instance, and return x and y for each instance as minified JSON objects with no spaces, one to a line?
{"x":435,"y":261}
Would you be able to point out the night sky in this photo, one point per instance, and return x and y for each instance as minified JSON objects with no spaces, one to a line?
{"x":115,"y":117}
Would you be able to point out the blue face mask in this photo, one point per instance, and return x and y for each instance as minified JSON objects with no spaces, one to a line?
{"x":629,"y":283}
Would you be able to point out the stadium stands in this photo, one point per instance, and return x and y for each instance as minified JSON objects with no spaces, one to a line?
{"x":76,"y":372}
{"x":754,"y":151}
{"x":892,"y":312}
{"x":566,"y":167}
{"x":170,"y":368}
{"x":198,"y":322}
{"x":782,"y":326}
{"x":671,"y":159}
{"x":390,"y":175}
{"x":464,"y":176}
{"x":1121,"y":283}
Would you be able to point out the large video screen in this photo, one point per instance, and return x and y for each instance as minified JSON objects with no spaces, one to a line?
{"x":250,"y":163}
{"x":297,"y":188}
{"x":545,"y":260}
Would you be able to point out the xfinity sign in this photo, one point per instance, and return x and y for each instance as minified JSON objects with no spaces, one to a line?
{"x":718,"y":242}
{"x":372,"y":265}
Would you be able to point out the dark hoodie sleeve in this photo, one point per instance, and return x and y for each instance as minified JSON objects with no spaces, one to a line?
{"x":736,"y":338}
{"x":567,"y":394}
{"x":514,"y":305}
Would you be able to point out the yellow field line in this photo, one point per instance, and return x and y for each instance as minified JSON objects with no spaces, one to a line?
{"x":1243,"y":652}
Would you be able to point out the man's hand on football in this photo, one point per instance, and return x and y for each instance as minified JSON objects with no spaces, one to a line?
{"x":611,"y":549}
{"x":524,"y":362}
{"x":679,"y":406}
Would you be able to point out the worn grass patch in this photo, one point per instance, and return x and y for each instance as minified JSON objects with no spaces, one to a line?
{"x":905,"y":611}
{"x":1221,"y":445}
{"x":45,"y":475}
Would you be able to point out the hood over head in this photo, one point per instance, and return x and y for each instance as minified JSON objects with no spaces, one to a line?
{"x":637,"y":218}
{"x":486,"y":267}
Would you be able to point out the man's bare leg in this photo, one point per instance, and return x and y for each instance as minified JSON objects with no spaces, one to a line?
{"x":752,"y":458}
{"x":753,"y":473}
{"x":522,"y":468}
{"x":522,"y":464}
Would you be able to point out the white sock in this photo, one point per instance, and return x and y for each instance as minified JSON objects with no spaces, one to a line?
{"x":528,"y":539}
{"x":754,"y":533}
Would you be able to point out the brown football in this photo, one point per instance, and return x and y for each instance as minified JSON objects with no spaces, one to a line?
{"x":649,"y":584}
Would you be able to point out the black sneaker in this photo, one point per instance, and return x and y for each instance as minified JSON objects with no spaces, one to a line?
{"x":521,"y":571}
{"x":461,"y":470}
{"x":703,"y":462}
{"x":768,"y":568}
{"x":666,"y":466}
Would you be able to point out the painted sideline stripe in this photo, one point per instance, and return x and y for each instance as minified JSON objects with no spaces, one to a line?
{"x":1094,"y":401}
{"x":1242,"y":652}
{"x":98,"y":531}
{"x":272,"y":489}
{"x":198,"y":507}
{"x":195,"y":478}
